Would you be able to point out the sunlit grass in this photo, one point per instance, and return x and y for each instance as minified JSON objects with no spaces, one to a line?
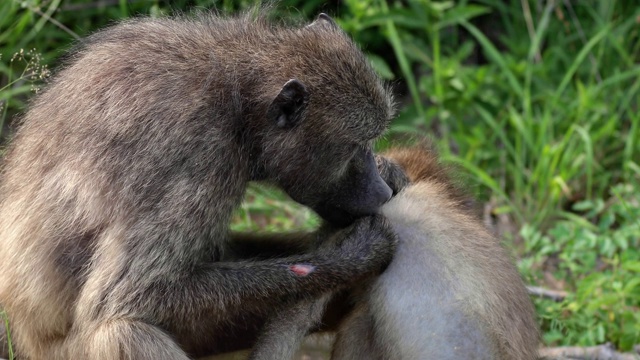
{"x":268,"y":209}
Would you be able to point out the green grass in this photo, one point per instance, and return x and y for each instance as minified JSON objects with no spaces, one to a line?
{"x":268,"y":209}
{"x":536,"y":101}
{"x":547,"y":126}
{"x":5,"y":321}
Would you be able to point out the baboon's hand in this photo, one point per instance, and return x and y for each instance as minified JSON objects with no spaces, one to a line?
{"x":367,"y":246}
{"x":392,"y":174}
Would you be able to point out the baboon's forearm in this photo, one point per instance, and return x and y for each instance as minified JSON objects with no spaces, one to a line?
{"x":225,"y":288}
{"x":271,"y":280}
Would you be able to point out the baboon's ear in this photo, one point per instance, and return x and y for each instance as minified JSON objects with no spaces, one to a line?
{"x":326,"y":20}
{"x":287,"y":108}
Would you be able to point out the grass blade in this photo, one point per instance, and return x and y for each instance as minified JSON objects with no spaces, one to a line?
{"x":494,"y":55}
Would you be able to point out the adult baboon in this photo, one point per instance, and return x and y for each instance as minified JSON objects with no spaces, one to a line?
{"x":119,"y":186}
{"x":450,"y":293}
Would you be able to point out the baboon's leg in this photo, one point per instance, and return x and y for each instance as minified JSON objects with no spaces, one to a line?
{"x":284,"y":332}
{"x":355,"y":338}
{"x":127,"y":340}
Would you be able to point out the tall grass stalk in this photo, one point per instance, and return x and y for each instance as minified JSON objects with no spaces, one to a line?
{"x":396,"y":43}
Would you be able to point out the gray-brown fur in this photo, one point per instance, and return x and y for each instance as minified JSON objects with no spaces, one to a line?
{"x":284,"y":332}
{"x":451,"y":291}
{"x":119,"y":186}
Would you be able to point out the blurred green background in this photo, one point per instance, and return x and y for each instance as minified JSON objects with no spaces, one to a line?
{"x":534,"y":101}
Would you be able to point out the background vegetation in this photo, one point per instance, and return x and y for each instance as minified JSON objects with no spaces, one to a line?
{"x":535,"y":100}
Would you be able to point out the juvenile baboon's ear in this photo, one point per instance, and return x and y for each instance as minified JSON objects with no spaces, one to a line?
{"x":326,"y":20}
{"x":287,"y":108}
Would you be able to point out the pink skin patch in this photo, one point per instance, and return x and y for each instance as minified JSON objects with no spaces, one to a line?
{"x":301,"y":270}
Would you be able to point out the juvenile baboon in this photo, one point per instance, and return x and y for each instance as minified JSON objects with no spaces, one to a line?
{"x":119,"y":185}
{"x":451,"y":291}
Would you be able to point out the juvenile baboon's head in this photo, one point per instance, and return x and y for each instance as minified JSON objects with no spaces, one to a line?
{"x":420,"y":163}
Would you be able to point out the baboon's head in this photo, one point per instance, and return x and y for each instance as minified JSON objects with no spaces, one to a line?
{"x":420,"y":163}
{"x":323,"y":121}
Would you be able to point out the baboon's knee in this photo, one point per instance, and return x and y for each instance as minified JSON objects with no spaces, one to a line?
{"x":130,"y":340}
{"x":355,"y":337}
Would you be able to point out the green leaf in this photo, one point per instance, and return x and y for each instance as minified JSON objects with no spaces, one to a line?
{"x":630,"y":285}
{"x":495,"y":55}
{"x":583,"y":205}
{"x":459,"y":14}
{"x":579,"y":59}
{"x":632,"y":266}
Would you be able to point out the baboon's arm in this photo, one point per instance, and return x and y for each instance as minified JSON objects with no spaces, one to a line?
{"x":221,"y":287}
{"x":355,"y":252}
